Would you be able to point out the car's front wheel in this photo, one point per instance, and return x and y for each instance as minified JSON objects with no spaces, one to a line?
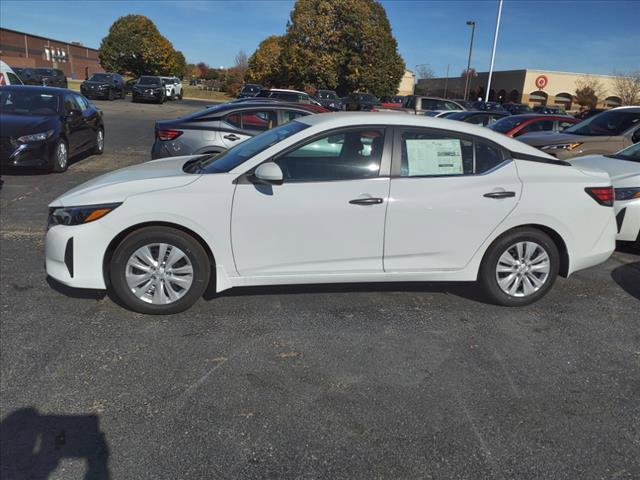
{"x":519,"y":267}
{"x":60,"y":161}
{"x":159,"y":271}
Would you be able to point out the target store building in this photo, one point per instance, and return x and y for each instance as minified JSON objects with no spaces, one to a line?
{"x":532,"y":87}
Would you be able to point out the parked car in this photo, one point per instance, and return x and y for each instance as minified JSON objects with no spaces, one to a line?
{"x":149,"y":88}
{"x":441,"y":114}
{"x":8,"y":75}
{"x":624,"y":169}
{"x":311,"y":106}
{"x":218,"y":128}
{"x":602,"y":134}
{"x":51,"y":77}
{"x":394,"y":101}
{"x":173,"y":88}
{"x":361,"y":102}
{"x":27,"y":75}
{"x":128,"y":85}
{"x":104,"y":85}
{"x":288,"y":96}
{"x":308,"y":202}
{"x":419,"y":104}
{"x":483,"y":118}
{"x":489,"y":107}
{"x":589,"y":113}
{"x":516,"y":125}
{"x":549,"y":110}
{"x":44,"y":127}
{"x":517,"y":108}
{"x":328,"y":99}
{"x":249,"y":90}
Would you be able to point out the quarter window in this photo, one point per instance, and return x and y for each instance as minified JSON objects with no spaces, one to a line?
{"x":345,"y":155}
{"x":435,"y":154}
{"x":256,"y":121}
{"x":289,"y":115}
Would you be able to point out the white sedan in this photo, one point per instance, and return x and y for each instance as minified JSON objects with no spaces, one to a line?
{"x":624,"y":169}
{"x":339,"y":197}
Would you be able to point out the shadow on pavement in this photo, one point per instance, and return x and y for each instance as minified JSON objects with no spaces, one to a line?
{"x":32,"y":445}
{"x":628,"y":277}
{"x":84,"y":293}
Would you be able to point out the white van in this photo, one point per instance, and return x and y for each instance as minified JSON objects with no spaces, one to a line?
{"x":8,"y":76}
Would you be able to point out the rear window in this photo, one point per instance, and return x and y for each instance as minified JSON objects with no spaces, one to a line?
{"x":505,"y":124}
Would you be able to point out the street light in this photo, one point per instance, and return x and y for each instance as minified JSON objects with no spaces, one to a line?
{"x":493,"y":51}
{"x":472,"y":23}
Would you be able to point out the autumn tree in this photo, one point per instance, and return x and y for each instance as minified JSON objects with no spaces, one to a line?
{"x":345,"y":45}
{"x":588,"y":91}
{"x":180,"y":69}
{"x":627,"y":87}
{"x":135,"y":46}
{"x":264,"y":66}
{"x":203,"y":68}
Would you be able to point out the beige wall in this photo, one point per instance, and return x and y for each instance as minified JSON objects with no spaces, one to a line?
{"x":407,"y":83}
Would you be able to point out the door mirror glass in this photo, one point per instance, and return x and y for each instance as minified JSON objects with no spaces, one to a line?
{"x":269,"y":172}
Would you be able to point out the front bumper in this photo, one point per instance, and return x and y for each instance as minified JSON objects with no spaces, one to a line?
{"x":628,"y":220}
{"x":95,"y":93}
{"x":26,"y":155}
{"x":144,"y":95}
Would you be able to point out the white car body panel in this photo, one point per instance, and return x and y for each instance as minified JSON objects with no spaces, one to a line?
{"x":309,"y":233}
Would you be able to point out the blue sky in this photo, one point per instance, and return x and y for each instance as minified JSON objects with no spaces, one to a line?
{"x":582,"y":36}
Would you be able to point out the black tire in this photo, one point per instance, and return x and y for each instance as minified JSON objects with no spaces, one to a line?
{"x":111,"y":96}
{"x":55,"y":164}
{"x":99,"y":147}
{"x":162,"y":99}
{"x":488,"y":275}
{"x":180,"y":95}
{"x":150,"y":235}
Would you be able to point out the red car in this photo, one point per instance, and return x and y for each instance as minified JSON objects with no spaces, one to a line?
{"x":516,"y":125}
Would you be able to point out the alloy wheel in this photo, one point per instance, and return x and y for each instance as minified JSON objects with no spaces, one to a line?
{"x":100,"y":140}
{"x":61,"y":156}
{"x":159,"y":273}
{"x":522,"y":269}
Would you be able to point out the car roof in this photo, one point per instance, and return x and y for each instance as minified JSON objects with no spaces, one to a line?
{"x":223,"y":108}
{"x":346,"y":119}
{"x":532,"y":116}
{"x":51,"y":90}
{"x":633,"y":108}
{"x":284,"y":90}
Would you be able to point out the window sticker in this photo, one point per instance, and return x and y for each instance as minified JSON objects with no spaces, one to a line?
{"x":434,"y":157}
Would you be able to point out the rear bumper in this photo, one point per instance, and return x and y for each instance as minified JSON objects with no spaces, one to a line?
{"x":600,"y":251}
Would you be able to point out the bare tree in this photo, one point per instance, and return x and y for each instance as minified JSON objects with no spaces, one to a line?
{"x":242,"y":61}
{"x":627,"y":87}
{"x":589,"y":91}
{"x":423,"y":71}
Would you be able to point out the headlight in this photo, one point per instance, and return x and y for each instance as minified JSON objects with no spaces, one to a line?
{"x":562,"y":146}
{"x":35,"y":137}
{"x":627,"y":193}
{"x":79,"y":215}
{"x":103,"y":86}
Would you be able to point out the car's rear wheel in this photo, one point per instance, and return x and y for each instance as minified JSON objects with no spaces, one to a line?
{"x":519,"y":267}
{"x":180,"y":95}
{"x":60,"y":160}
{"x":159,"y":271}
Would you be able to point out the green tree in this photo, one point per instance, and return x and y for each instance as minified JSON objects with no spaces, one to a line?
{"x":264,"y":66}
{"x":588,"y":91}
{"x":135,"y":46}
{"x":346,"y":45}
{"x":180,"y":69}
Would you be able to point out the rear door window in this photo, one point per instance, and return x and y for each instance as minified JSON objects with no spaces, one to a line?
{"x":257,"y":120}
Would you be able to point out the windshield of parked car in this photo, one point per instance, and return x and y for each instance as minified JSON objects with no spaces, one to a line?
{"x":325,"y":95}
{"x":100,"y":77}
{"x":149,"y":81}
{"x":233,"y":157}
{"x":505,"y":124}
{"x":458,"y":116}
{"x":28,"y":102}
{"x":613,"y":122}
{"x":631,"y":153}
{"x":250,"y":89}
{"x":44,"y":71}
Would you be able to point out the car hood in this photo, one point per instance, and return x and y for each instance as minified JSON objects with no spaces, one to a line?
{"x":88,"y":83}
{"x":116,"y":186}
{"x":623,"y":173}
{"x":17,"y":125}
{"x":142,"y":85}
{"x":540,"y":139}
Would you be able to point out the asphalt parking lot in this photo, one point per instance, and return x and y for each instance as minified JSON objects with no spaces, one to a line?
{"x":362,"y":381}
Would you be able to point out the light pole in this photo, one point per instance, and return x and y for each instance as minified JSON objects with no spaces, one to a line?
{"x":493,"y":51}
{"x":472,"y":23}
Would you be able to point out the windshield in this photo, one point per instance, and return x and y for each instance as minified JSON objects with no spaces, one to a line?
{"x":235,"y":156}
{"x":458,"y":116}
{"x":250,"y":89}
{"x":28,"y":102}
{"x":149,"y":81}
{"x":327,"y":95}
{"x":100,"y":77}
{"x":505,"y":124}
{"x":631,"y":153}
{"x":613,"y":122}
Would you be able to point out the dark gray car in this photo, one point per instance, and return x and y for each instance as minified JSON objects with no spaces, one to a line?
{"x":220,"y":127}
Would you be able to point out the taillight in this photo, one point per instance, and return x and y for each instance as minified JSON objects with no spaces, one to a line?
{"x":168,"y":134}
{"x":602,"y":195}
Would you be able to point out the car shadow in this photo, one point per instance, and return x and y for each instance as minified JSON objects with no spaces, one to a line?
{"x":467,"y":290}
{"x":82,"y":293}
{"x":32,"y":445}
{"x":628,"y":278}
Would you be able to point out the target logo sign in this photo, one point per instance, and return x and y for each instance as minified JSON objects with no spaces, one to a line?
{"x":541,"y":81}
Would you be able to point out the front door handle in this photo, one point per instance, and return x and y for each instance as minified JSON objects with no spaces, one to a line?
{"x":500,"y":194}
{"x":366,"y":201}
{"x":232,"y":137}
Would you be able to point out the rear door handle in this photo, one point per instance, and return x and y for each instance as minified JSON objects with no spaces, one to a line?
{"x":366,"y":201}
{"x":500,"y":194}
{"x":232,"y":137}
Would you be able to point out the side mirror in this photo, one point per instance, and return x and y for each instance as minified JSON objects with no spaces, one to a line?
{"x":269,"y":173}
